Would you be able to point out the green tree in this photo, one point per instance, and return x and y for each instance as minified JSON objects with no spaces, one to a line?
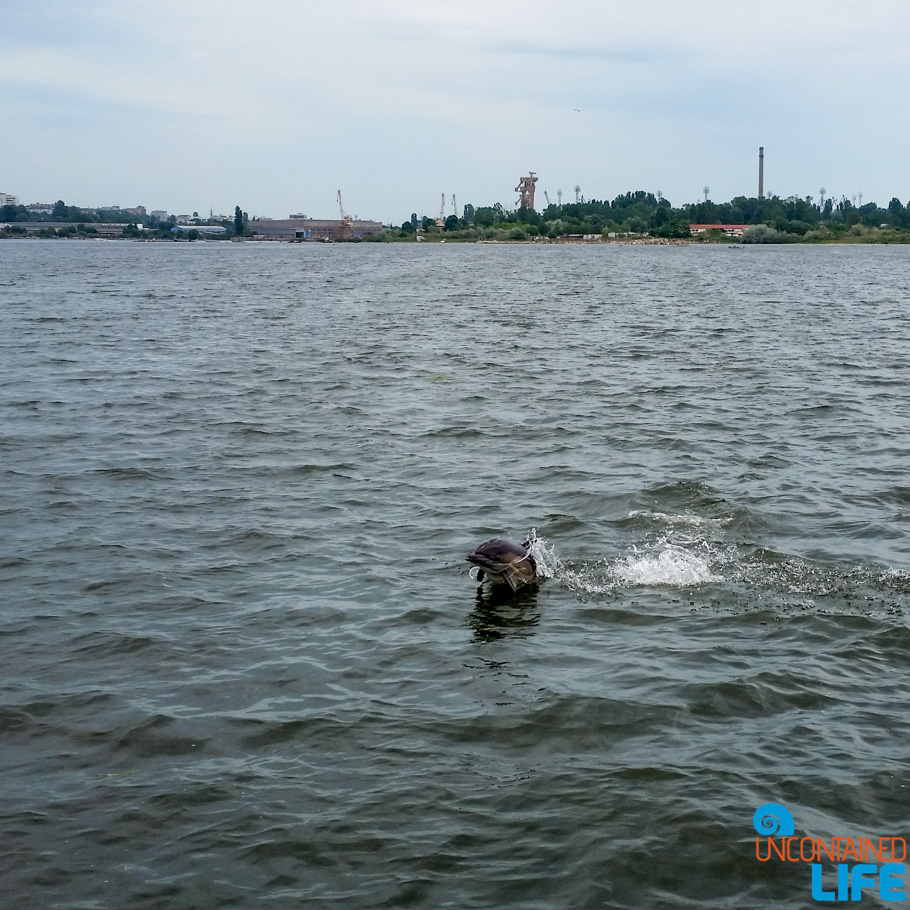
{"x":238,"y":220}
{"x":12,"y":213}
{"x":899,"y":214}
{"x":659,"y":217}
{"x":484,"y":216}
{"x":671,"y":229}
{"x":59,"y":212}
{"x":762,"y":233}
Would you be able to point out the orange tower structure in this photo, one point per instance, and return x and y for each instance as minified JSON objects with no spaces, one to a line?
{"x":525,"y":190}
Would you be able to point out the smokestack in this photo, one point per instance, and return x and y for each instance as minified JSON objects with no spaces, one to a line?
{"x":761,"y":172}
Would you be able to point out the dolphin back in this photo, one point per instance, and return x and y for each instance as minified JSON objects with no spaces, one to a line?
{"x":504,"y":561}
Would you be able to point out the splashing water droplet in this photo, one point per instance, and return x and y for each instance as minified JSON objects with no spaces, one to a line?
{"x":548,"y":563}
{"x":672,"y":566}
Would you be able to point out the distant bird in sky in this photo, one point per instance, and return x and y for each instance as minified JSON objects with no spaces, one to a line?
{"x":578,"y":110}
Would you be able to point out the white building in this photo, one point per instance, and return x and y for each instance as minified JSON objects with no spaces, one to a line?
{"x":7,"y":199}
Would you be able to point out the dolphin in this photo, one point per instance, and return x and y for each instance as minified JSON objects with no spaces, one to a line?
{"x":505,"y":562}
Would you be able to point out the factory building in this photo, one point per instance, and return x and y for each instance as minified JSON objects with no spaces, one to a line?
{"x":312,"y":229}
{"x":101,"y":228}
{"x":731,"y":230}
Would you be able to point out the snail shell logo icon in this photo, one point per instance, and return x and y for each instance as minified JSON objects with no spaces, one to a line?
{"x":773,"y":818}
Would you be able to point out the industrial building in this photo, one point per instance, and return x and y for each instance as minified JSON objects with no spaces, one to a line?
{"x":312,"y":229}
{"x":731,"y":230}
{"x":201,"y":228}
{"x":525,"y":190}
{"x":102,"y":229}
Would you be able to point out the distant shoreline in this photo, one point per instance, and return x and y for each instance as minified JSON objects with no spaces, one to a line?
{"x":613,"y":241}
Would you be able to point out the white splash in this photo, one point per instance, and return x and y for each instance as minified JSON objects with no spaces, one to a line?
{"x":671,"y":566}
{"x":544,"y":554}
{"x":896,"y":575}
{"x":588,"y":579}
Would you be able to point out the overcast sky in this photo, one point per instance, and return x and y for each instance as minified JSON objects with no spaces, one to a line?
{"x":274,"y":105}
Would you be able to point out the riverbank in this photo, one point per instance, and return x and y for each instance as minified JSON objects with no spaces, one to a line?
{"x":764,"y":235}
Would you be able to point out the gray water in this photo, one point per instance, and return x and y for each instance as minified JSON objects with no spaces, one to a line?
{"x":244,"y":664}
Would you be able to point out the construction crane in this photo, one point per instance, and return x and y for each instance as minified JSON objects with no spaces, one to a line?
{"x":546,"y":196}
{"x":441,"y":220}
{"x":347,"y":224}
{"x":454,"y":206}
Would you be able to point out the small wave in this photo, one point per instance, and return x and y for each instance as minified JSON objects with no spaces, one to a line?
{"x":456,"y":432}
{"x":898,"y":495}
{"x":125,"y":473}
{"x":687,"y":519}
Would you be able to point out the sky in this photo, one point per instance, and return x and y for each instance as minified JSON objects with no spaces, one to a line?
{"x":276,"y":105}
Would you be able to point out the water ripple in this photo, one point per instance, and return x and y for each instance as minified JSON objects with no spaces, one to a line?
{"x":244,"y":661}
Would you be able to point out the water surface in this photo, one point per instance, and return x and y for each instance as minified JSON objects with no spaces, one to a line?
{"x":244,"y":664}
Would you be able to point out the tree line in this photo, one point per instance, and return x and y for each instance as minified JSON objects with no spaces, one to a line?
{"x":80,"y":221}
{"x":72,"y":214}
{"x":641,"y":212}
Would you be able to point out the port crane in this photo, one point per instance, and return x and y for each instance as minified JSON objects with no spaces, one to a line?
{"x":441,"y":220}
{"x":347,"y":224}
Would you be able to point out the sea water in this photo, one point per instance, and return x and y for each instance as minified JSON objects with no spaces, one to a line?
{"x":244,"y":664}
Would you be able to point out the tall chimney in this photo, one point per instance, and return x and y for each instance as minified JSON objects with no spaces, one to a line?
{"x":761,"y":172}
